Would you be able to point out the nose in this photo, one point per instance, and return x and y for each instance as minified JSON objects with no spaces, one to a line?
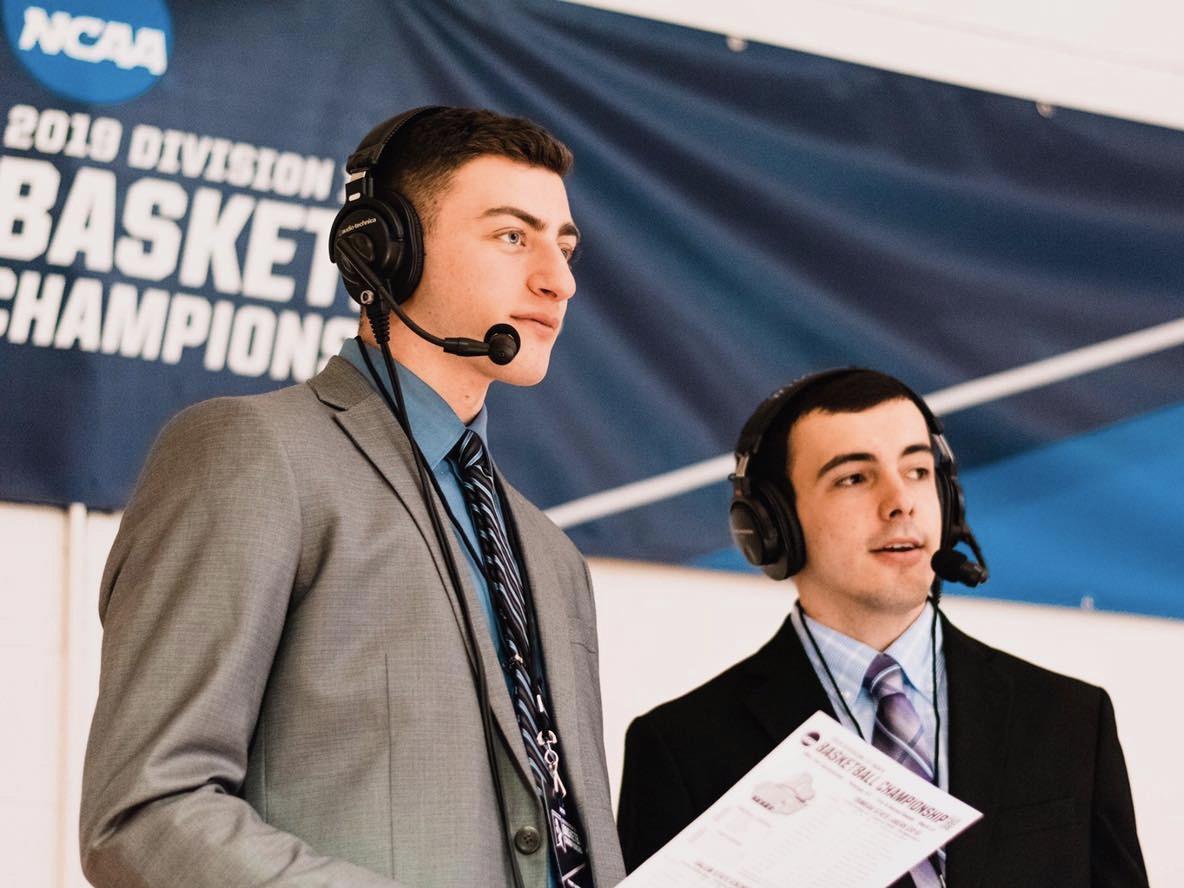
{"x":897,"y":499}
{"x":552,"y":276}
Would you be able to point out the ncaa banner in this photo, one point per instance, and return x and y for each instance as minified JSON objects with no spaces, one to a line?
{"x":169,"y":171}
{"x":144,"y":259}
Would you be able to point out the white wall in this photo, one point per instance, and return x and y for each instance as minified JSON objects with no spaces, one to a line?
{"x":50,"y":563}
{"x":662,"y":631}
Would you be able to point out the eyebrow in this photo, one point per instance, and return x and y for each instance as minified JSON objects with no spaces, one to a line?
{"x":567,"y":229}
{"x":867,"y":457}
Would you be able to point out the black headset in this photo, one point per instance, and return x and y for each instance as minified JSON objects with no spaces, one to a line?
{"x":763,"y":518}
{"x":385,"y":230}
{"x":377,"y":243}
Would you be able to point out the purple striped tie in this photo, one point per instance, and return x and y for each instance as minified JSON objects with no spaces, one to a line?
{"x":900,"y":735}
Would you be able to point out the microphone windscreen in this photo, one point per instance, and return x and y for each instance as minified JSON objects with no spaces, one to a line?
{"x":946,"y":562}
{"x":503,"y":342}
{"x":954,"y":567}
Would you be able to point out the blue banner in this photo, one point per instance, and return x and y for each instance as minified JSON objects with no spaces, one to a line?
{"x":168,"y":172}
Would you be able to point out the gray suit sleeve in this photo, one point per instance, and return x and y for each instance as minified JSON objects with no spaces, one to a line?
{"x":193,"y":602}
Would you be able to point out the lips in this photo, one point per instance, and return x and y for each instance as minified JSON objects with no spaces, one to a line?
{"x":540,"y":322}
{"x":903,"y":544}
{"x":900,"y":551}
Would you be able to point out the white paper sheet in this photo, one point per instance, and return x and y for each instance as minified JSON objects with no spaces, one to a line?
{"x":823,"y":809}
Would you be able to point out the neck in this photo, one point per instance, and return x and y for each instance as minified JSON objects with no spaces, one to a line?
{"x":875,"y":628}
{"x":452,"y":377}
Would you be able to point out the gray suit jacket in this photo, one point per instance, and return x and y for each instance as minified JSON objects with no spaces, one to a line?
{"x":286,"y":696}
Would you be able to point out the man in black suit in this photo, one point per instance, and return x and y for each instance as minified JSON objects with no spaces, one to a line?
{"x":845,"y":482}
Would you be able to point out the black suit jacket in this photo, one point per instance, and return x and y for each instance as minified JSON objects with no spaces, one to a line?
{"x":1036,"y":752}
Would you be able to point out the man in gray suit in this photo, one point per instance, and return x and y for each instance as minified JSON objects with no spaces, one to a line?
{"x":288,"y":694}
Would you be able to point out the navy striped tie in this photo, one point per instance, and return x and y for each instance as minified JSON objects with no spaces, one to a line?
{"x":509,"y":603}
{"x":900,"y":735}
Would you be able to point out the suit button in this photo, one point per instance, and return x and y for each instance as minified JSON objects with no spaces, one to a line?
{"x":527,"y":840}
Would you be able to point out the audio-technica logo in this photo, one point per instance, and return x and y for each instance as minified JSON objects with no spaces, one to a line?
{"x":349,"y":229}
{"x":103,"y":51}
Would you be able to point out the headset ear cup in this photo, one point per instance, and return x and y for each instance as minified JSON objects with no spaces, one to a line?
{"x":953,"y":509}
{"x":755,"y":531}
{"x":765,"y":528}
{"x":390,"y":236}
{"x":410,"y":266}
{"x":943,"y":501}
{"x":367,"y":225}
{"x":949,"y":495}
{"x":789,"y":531}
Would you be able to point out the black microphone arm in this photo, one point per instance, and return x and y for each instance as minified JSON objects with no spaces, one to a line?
{"x":501,"y":341}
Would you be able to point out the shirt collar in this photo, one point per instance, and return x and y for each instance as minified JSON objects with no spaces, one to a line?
{"x":912,"y":651}
{"x":436,"y":426}
{"x":849,"y":658}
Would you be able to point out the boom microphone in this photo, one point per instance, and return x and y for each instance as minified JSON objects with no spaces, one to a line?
{"x":501,"y":341}
{"x":954,"y":567}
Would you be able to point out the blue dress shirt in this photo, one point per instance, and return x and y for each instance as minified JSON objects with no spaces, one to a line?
{"x":849,"y":659}
{"x":437,"y":428}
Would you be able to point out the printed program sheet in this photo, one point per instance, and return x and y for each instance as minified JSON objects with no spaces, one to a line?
{"x":823,"y":809}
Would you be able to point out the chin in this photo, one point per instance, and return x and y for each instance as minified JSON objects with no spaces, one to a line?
{"x":520,"y":376}
{"x":897,"y":598}
{"x":524,"y":370}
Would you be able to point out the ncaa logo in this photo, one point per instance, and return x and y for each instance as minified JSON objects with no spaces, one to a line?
{"x":95,"y":51}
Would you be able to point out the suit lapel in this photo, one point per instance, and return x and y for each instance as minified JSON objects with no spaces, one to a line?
{"x":789,"y":692}
{"x":980,"y":709}
{"x":547,"y":592}
{"x":366,"y":420}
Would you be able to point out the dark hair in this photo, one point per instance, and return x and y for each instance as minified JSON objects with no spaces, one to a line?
{"x":429,"y":150}
{"x":851,"y":392}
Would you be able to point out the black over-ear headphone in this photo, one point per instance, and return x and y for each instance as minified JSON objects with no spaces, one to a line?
{"x":385,"y":230}
{"x":764,"y":520}
{"x":377,"y":242}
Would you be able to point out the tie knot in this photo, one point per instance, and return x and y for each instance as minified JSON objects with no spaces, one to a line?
{"x":469,"y":450}
{"x":883,"y":678}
